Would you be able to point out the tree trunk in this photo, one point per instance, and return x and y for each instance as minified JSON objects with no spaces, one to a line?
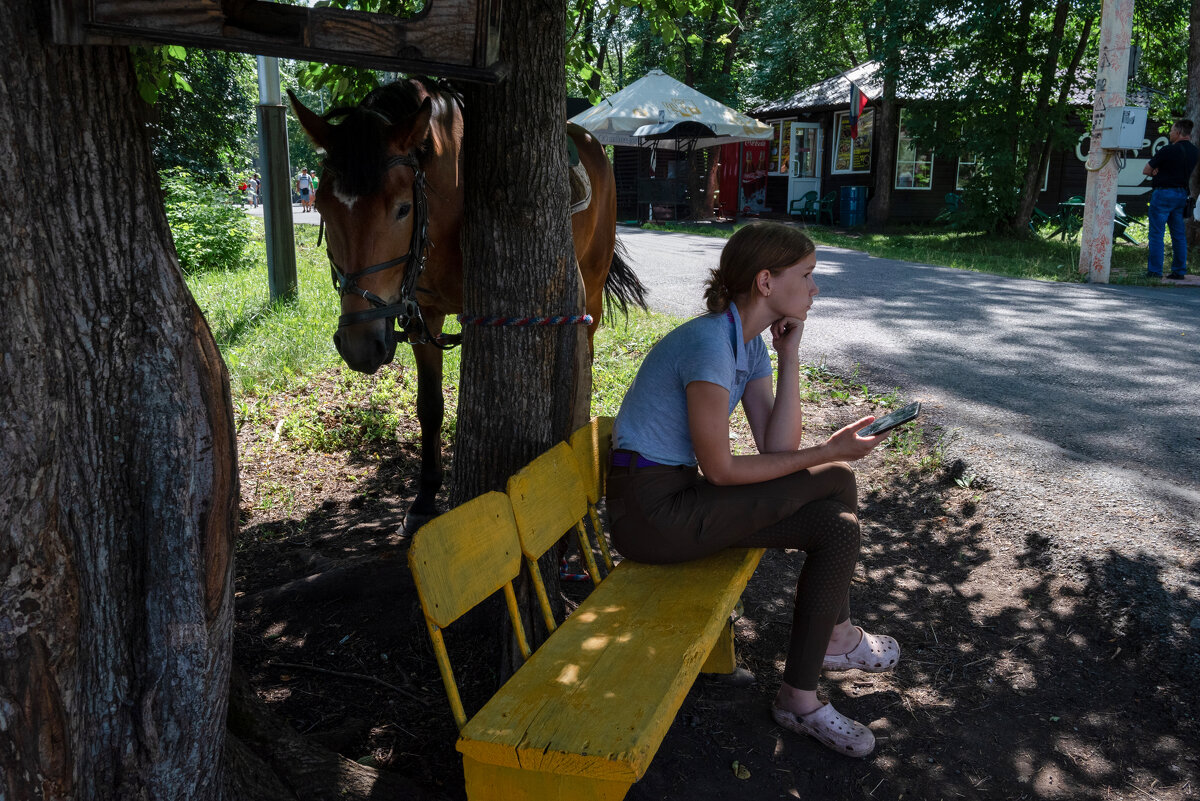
{"x":517,"y":385}
{"x":880,"y":206}
{"x":118,"y":472}
{"x":118,"y":479}
{"x":1038,"y":148}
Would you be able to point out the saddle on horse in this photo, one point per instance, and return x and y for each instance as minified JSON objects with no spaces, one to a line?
{"x":581,"y":185}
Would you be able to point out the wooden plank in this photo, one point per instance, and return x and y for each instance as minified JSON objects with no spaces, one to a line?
{"x":496,"y":783}
{"x":442,"y":40}
{"x":599,"y":695}
{"x":548,"y":499}
{"x":460,"y":558}
{"x":591,"y":445}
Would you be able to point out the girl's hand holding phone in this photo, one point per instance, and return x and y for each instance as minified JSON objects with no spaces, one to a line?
{"x":845,"y":445}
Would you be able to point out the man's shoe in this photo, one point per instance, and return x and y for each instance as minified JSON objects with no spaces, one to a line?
{"x":1177,"y":276}
{"x":1153,"y":275}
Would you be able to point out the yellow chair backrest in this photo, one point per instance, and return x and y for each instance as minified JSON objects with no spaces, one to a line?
{"x":591,"y":445}
{"x":548,"y":499}
{"x":458,"y":560}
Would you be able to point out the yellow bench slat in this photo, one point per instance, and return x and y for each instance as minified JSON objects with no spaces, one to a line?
{"x":598,"y":696}
{"x":591,"y":444}
{"x":460,"y":558}
{"x":548,"y":499}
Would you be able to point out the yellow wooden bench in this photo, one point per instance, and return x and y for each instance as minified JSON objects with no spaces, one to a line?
{"x":584,"y":716}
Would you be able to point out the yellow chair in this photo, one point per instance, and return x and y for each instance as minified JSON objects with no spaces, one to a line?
{"x":548,"y":499}
{"x":591,"y":445}
{"x":458,"y":560}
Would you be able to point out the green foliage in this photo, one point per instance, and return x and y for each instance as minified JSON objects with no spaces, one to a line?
{"x":206,"y":119}
{"x":985,"y":95}
{"x":158,"y":70}
{"x":209,"y":227}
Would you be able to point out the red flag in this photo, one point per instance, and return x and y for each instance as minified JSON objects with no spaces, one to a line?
{"x":858,"y":101}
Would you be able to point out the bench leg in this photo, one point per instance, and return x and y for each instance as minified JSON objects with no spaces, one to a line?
{"x":499,"y":783}
{"x":722,"y":658}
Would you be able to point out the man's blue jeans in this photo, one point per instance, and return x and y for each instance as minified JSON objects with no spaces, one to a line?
{"x":1166,"y":211}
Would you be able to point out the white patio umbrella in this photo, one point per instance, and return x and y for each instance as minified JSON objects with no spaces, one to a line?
{"x":658,"y":110}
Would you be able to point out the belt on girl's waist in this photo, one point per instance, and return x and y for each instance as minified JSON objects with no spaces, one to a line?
{"x":632,"y":459}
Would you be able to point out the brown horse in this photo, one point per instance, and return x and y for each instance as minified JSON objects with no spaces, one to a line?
{"x":391,"y":199}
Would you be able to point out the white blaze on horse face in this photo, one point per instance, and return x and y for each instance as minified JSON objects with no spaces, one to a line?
{"x":346,"y":200}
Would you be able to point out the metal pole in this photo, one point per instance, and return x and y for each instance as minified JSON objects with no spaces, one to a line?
{"x":1095,"y":250}
{"x":277,"y":183}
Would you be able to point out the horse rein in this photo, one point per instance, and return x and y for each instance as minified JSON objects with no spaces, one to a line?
{"x":406,"y":312}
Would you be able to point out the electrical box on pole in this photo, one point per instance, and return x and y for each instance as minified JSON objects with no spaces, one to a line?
{"x":1124,"y":128}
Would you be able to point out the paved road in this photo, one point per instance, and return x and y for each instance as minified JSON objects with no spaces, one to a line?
{"x":1075,"y":397}
{"x":298,"y":216}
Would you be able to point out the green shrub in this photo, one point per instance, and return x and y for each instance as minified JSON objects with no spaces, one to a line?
{"x":211,"y":231}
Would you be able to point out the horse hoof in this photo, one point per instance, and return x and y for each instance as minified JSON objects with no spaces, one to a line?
{"x":413,"y":521}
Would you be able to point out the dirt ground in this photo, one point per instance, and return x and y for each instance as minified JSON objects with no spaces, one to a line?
{"x":1021,"y":677}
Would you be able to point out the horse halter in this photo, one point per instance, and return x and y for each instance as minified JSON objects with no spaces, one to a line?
{"x":405,"y":313}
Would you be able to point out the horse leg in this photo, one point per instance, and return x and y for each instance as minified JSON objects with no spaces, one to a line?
{"x":431,"y":410}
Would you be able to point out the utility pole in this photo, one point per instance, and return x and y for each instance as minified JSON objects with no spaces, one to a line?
{"x":1095,"y":250}
{"x":277,"y":182}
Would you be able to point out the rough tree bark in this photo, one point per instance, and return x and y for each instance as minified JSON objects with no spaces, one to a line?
{"x":517,"y":385}
{"x":879,"y":209}
{"x":118,"y":474}
{"x":118,"y":483}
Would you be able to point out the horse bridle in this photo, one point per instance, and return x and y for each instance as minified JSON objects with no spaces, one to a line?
{"x":406,"y":312}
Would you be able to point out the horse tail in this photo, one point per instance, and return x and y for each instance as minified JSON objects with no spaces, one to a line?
{"x":622,"y":287}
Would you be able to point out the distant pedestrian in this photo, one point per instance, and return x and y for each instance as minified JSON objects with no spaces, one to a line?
{"x":253,"y":189}
{"x":1170,"y":169}
{"x":304,"y":186}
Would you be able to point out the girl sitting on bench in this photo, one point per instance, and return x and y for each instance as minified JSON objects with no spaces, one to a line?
{"x":676,"y":414}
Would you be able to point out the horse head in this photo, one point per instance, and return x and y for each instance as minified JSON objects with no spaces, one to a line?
{"x":371,"y":197}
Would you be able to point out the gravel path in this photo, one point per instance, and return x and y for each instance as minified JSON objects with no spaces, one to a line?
{"x":1075,"y":404}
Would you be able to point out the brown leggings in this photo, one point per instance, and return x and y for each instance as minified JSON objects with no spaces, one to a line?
{"x":667,"y":514}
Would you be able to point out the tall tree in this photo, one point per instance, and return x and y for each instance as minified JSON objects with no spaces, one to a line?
{"x":215,"y":107}
{"x":998,"y":88}
{"x":118,"y":488}
{"x":517,"y":385}
{"x":118,"y":474}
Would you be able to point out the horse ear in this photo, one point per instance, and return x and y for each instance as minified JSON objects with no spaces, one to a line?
{"x":414,"y":132}
{"x":316,"y":128}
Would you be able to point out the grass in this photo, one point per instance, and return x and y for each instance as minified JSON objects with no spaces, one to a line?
{"x":1034,"y":257}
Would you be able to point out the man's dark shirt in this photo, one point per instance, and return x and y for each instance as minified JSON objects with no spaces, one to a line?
{"x":1175,"y":164}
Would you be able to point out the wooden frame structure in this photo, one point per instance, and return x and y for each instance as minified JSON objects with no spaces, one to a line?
{"x":448,"y":38}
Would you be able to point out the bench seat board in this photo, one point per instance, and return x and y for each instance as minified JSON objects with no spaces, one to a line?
{"x":597,"y":698}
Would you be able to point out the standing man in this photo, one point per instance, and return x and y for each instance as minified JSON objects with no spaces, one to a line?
{"x":304,"y":187}
{"x":1170,"y":169}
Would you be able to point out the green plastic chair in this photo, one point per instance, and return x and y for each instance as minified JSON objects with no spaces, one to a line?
{"x":824,"y":206}
{"x":1120,"y":221}
{"x":803,"y":206}
{"x":952,"y":207}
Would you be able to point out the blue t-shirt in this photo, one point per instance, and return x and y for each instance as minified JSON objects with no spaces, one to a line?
{"x":653,"y":419}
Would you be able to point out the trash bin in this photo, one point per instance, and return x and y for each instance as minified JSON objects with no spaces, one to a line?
{"x":854,"y":205}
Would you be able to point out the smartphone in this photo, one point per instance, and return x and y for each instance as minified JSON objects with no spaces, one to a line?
{"x":890,"y":421}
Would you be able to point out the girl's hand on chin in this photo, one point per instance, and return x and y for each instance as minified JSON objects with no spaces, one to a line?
{"x":786,"y":333}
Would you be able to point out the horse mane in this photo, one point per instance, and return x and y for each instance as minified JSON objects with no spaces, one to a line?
{"x":357,"y":148}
